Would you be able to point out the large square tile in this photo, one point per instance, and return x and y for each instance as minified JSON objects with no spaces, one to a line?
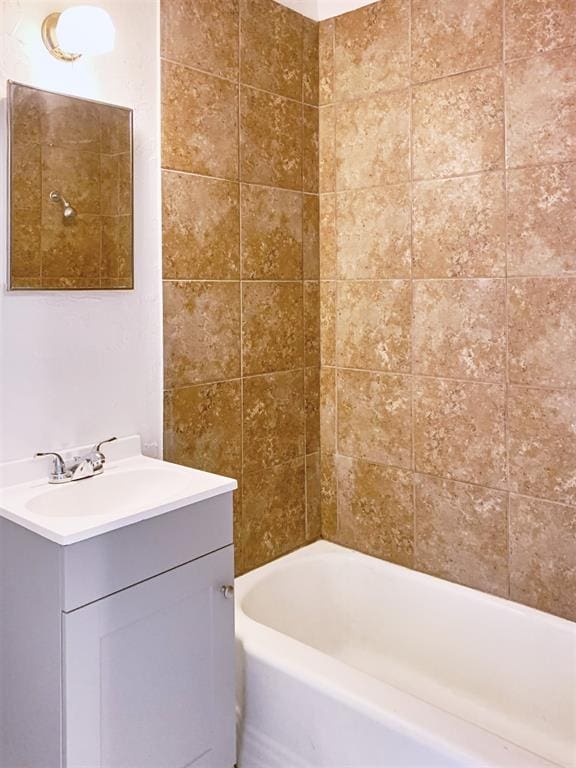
{"x":199,"y":122}
{"x":375,"y":510}
{"x":542,"y":555}
{"x":459,"y":430}
{"x":542,"y":331}
{"x":372,"y":141}
{"x":458,"y":124}
{"x":201,"y":332}
{"x":271,"y":233}
{"x":273,"y":419}
{"x":451,"y":36}
{"x":270,"y":139}
{"x":459,"y":227}
{"x":373,"y":237}
{"x":461,"y":534}
{"x":541,"y":109}
{"x":371,"y":52}
{"x":272,"y":327}
{"x":202,"y":34}
{"x":374,"y":417}
{"x":542,"y":443}
{"x":460,"y":328}
{"x":373,"y":325}
{"x":200,"y":228}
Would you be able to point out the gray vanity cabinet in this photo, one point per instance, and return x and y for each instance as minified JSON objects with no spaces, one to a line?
{"x":132,"y":643}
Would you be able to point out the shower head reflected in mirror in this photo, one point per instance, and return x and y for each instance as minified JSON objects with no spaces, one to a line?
{"x":69,"y":212}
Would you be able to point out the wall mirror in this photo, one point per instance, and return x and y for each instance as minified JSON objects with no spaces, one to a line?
{"x":70,"y":192}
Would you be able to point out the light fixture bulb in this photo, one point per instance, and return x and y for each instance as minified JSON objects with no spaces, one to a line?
{"x":81,"y":29}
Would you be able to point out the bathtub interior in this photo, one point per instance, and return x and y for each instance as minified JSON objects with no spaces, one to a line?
{"x":504,"y":667}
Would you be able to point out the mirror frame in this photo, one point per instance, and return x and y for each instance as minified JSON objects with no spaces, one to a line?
{"x":11,"y":85}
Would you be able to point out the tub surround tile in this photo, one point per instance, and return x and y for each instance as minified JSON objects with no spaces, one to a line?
{"x":327,"y":149}
{"x":327,"y":237}
{"x":311,"y":323}
{"x":375,"y":510}
{"x":451,"y":36}
{"x":458,"y":124}
{"x":310,"y":61}
{"x":200,"y":228}
{"x":326,"y":68}
{"x":459,"y":227}
{"x":273,"y":419}
{"x":373,"y":325}
{"x":202,"y":34}
{"x":201,"y":332}
{"x":270,"y":139}
{"x":371,"y":52}
{"x":461,"y":534}
{"x":328,"y":410}
{"x":199,"y":122}
{"x":541,"y":109}
{"x":459,"y":328}
{"x":374,"y":416}
{"x":313,"y":508}
{"x":312,"y":409}
{"x":272,"y":332}
{"x":271,"y":233}
{"x":372,"y":141}
{"x":542,"y":443}
{"x":203,"y":427}
{"x":541,"y":221}
{"x":310,"y":149}
{"x":271,"y":38}
{"x":328,"y":322}
{"x":535,"y":26}
{"x":542,"y":555}
{"x":373,"y":237}
{"x":328,"y":501}
{"x":311,"y":237}
{"x":542,"y":331}
{"x":459,"y":430}
{"x":273,"y":513}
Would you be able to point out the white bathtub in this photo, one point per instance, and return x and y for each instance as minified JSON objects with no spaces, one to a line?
{"x":345,"y":660}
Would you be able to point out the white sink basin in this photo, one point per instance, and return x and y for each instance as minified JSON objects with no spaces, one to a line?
{"x":123,"y":490}
{"x":132,"y":488}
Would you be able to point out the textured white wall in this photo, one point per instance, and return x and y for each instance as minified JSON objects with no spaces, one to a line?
{"x":324,"y":9}
{"x":75,"y":367}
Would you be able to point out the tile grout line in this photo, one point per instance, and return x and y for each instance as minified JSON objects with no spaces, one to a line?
{"x":240,"y":287}
{"x":412,"y":289}
{"x":420,"y":180}
{"x":236,"y":81}
{"x":506,"y":300}
{"x":334,"y":470}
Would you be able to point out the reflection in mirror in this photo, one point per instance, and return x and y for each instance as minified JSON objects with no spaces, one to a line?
{"x":70,"y":192}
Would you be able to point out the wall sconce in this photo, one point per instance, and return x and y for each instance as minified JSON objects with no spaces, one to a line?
{"x":82,"y":29}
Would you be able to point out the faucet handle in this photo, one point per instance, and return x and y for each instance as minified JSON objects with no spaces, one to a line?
{"x":97,"y":458}
{"x":102,"y":442}
{"x":59,"y":473}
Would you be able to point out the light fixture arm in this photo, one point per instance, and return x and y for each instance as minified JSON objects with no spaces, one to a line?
{"x":51,"y":41}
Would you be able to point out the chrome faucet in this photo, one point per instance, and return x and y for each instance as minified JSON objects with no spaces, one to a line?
{"x":79,"y":467}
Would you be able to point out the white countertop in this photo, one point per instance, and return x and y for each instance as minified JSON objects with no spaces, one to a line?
{"x":132,"y":488}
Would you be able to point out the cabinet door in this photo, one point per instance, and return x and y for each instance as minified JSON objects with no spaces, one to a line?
{"x":149,"y":673}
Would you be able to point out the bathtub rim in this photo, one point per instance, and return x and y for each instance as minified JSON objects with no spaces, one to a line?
{"x":375,"y":698}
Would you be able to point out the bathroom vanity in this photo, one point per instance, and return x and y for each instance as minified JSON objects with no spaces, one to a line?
{"x":116,"y":623}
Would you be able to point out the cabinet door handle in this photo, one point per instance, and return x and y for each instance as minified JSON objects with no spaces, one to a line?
{"x":227,"y":590}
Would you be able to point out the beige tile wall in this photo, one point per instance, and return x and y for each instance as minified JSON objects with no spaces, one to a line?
{"x":241,"y":262}
{"x":448,"y":290}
